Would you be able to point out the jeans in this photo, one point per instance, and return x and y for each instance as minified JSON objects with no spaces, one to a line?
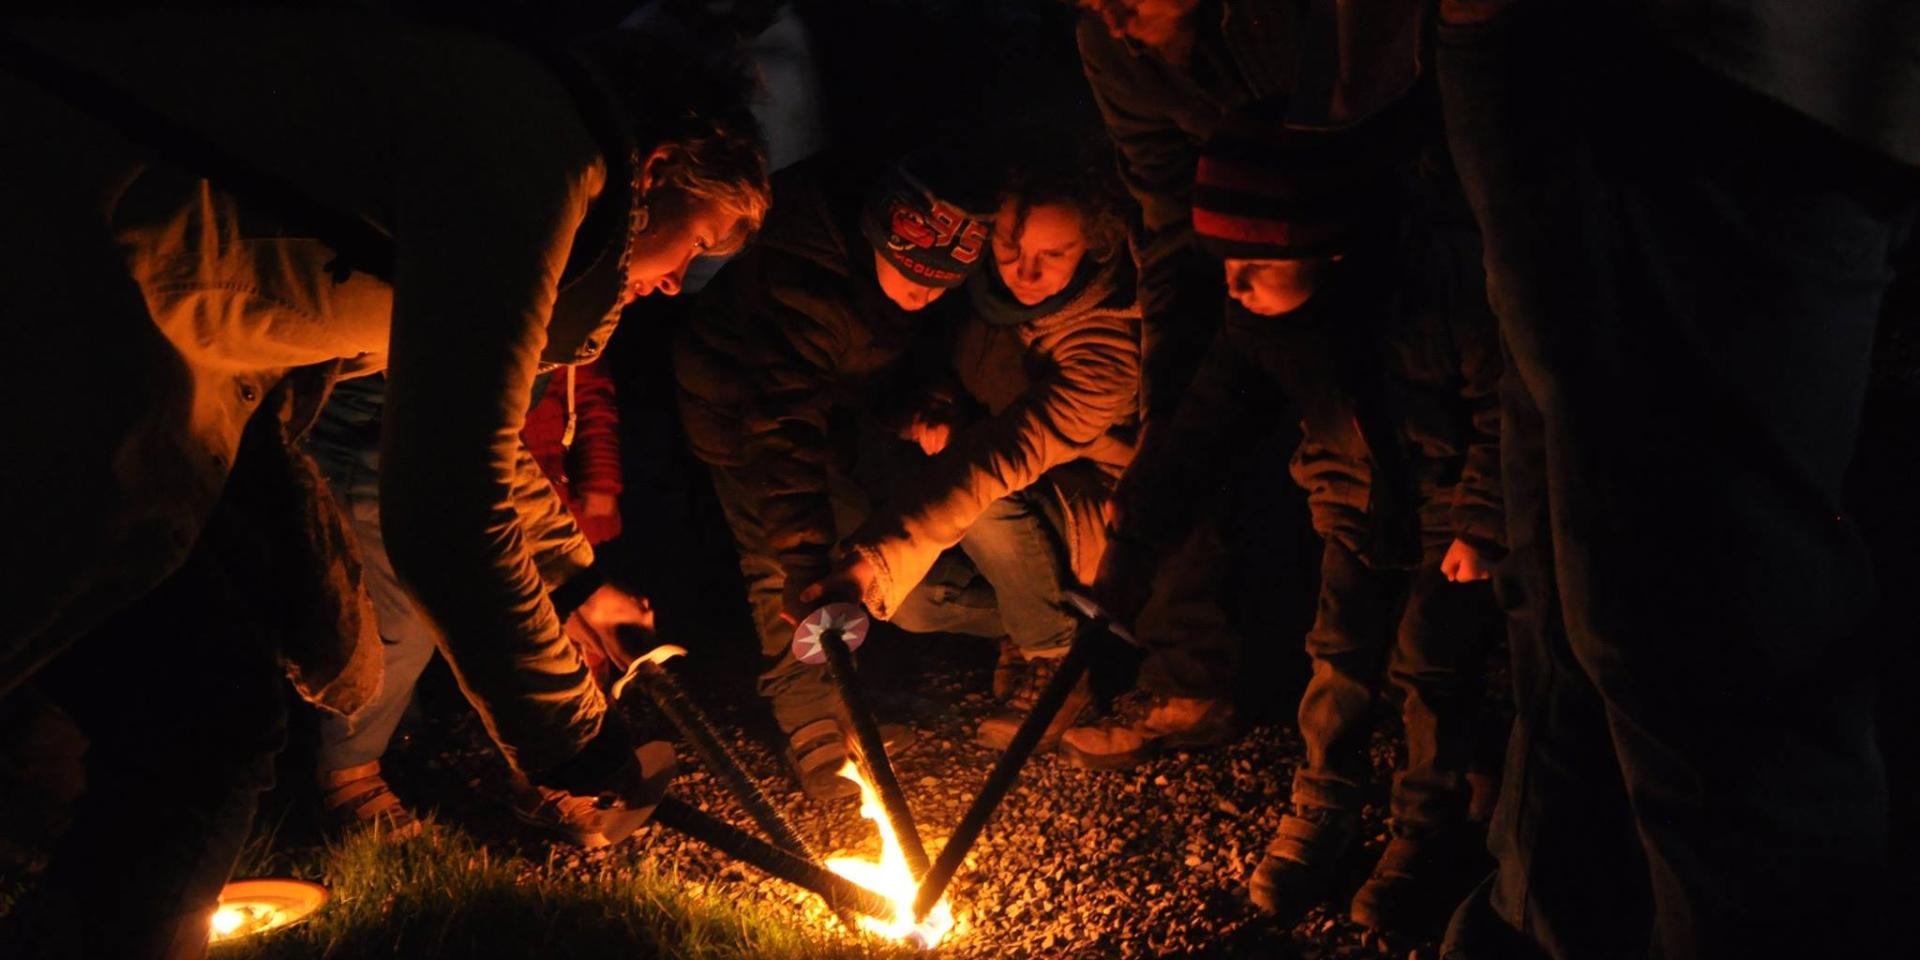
{"x":1015,"y":547}
{"x":1688,"y":279}
{"x":1421,"y":634}
{"x":346,"y":445}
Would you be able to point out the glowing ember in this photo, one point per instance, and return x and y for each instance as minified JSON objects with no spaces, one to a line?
{"x":890,"y":878}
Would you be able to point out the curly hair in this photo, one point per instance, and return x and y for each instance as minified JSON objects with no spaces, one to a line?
{"x":1079,"y":175}
{"x":692,"y":94}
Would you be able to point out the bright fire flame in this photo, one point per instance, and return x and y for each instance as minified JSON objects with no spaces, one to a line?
{"x":890,"y":878}
{"x":227,"y":919}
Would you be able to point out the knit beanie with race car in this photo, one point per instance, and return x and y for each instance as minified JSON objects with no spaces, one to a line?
{"x":923,"y":225}
{"x":1266,"y":192}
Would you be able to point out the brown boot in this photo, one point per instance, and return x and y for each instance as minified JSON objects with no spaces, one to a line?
{"x":1143,"y":724}
{"x":998,"y":729}
{"x":1419,"y":880}
{"x":1301,"y":862}
{"x":353,"y":799}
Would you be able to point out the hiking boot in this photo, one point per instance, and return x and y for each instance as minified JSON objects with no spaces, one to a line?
{"x":1142,"y":724}
{"x":1008,"y":670}
{"x":997,"y":729}
{"x":354,"y":799}
{"x":1301,"y":862}
{"x":1419,"y":880}
{"x":817,"y":751}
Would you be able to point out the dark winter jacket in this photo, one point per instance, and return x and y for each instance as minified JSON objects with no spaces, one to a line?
{"x":1394,"y":368}
{"x":1332,"y":71}
{"x":790,"y":339}
{"x":1059,"y":386}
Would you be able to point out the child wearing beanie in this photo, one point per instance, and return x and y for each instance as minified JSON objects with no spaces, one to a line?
{"x":1372,"y":323}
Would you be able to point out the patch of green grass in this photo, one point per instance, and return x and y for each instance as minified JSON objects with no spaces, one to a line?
{"x":444,"y":895}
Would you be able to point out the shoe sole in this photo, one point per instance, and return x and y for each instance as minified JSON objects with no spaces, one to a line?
{"x":1001,"y":743}
{"x":1108,"y":761}
{"x":1134,"y":758}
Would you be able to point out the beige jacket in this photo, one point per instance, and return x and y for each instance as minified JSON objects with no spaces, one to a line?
{"x":1061,"y":393}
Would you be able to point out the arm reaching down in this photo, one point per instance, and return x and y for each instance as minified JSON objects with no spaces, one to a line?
{"x":477,"y":262}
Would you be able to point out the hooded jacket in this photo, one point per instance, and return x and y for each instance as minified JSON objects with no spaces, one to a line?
{"x":192,"y":303}
{"x":1059,"y":386}
{"x":789,"y":338}
{"x":573,"y":433}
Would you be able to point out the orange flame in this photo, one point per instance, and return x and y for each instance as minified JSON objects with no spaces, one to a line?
{"x":890,"y":878}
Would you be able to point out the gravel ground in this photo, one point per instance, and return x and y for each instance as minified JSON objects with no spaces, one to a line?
{"x":1148,"y":862}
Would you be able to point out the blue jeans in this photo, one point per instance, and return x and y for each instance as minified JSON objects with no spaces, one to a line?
{"x":346,"y":444}
{"x":1688,"y":278}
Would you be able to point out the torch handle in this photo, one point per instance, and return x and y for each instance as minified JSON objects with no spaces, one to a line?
{"x":1007,"y":769}
{"x":871,"y":749}
{"x":840,"y":893}
{"x":692,"y":722}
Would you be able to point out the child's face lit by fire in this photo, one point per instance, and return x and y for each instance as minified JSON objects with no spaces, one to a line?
{"x":907,"y":293}
{"x":1271,"y":288}
{"x":1037,"y":251}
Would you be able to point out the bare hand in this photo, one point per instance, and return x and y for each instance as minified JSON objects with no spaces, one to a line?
{"x":931,"y":436}
{"x":597,"y":624}
{"x":1464,"y":564}
{"x":848,"y":582}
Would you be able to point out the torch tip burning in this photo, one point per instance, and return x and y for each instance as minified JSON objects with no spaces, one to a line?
{"x":891,"y":878}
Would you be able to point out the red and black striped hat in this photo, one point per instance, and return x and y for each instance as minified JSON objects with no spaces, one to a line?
{"x":1267,"y":192}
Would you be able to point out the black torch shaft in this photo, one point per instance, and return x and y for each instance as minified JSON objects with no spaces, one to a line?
{"x":871,"y":749}
{"x":1007,"y":770}
{"x":692,"y":722}
{"x":840,"y":893}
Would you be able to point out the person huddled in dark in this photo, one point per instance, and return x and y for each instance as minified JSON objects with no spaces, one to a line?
{"x":220,"y":216}
{"x":1030,"y":424}
{"x":1374,"y":325}
{"x":792,"y":376}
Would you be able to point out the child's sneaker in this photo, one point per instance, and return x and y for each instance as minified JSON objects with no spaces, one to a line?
{"x":353,"y":799}
{"x":1301,"y":862}
{"x":1419,"y":880}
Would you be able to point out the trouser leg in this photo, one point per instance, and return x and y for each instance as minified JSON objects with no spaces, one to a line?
{"x":797,"y":692}
{"x":406,"y":636}
{"x":182,"y":707}
{"x":951,"y":599}
{"x":1015,"y":548}
{"x":1435,"y":672}
{"x":1192,"y":650}
{"x":1348,"y":644}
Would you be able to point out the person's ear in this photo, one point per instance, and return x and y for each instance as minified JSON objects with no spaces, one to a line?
{"x":651,"y":166}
